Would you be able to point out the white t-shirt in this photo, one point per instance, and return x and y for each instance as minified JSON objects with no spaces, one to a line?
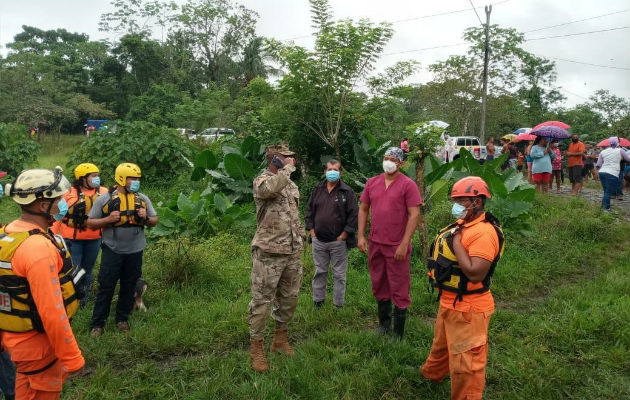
{"x":610,"y":159}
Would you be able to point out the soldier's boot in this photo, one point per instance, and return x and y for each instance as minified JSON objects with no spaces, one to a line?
{"x":384,"y":316}
{"x":280,"y":342}
{"x":400,"y":317}
{"x":257,"y":355}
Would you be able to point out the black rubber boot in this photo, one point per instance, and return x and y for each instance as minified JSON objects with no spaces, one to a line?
{"x":384,"y":316}
{"x":400,"y":316}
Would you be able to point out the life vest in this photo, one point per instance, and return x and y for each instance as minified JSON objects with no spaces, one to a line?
{"x":78,"y":212}
{"x":127,"y":204}
{"x":18,"y":312}
{"x":445,"y":273}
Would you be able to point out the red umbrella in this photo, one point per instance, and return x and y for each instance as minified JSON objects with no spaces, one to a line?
{"x":525,"y":136}
{"x":559,"y":124}
{"x":622,"y":142}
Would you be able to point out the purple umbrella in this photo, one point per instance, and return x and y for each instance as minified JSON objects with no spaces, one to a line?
{"x":551,"y":132}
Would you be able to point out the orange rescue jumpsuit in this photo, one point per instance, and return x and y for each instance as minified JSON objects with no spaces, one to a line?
{"x":460,"y":343}
{"x":56,"y":351}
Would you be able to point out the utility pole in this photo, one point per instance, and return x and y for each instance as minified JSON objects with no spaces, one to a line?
{"x":484,"y":94}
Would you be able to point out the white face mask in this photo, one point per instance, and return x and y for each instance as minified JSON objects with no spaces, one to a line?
{"x":389,"y":166}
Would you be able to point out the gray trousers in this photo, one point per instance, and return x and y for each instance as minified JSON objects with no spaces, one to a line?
{"x":325,"y":254}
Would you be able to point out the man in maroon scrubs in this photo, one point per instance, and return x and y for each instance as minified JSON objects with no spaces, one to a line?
{"x":394,"y":200}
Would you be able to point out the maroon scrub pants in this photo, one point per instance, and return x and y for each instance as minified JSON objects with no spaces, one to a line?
{"x":391,"y":279}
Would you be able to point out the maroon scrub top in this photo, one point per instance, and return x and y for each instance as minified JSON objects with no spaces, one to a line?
{"x":389,"y":207}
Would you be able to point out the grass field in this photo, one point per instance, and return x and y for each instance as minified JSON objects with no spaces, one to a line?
{"x":560,"y":330}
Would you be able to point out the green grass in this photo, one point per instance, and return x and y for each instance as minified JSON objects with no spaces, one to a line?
{"x":560,"y":329}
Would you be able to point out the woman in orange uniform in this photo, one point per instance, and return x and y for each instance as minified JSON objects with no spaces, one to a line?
{"x":84,"y":242}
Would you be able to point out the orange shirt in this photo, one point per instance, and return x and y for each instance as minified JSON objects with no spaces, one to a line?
{"x":66,"y":231}
{"x":573,"y":161}
{"x":38,"y":260}
{"x":480,"y":240}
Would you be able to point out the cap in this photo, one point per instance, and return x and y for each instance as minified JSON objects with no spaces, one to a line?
{"x":395,"y":152}
{"x":279,"y":148}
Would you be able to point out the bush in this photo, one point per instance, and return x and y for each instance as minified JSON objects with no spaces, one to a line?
{"x":158,"y":150}
{"x":18,"y":151}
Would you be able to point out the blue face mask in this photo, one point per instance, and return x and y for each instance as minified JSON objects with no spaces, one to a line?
{"x":332,"y":175}
{"x":96,"y":181}
{"x":134,"y":186}
{"x":63,"y":210}
{"x":458,"y":211}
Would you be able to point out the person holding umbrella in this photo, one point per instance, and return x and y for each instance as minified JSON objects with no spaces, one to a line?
{"x":542,"y":156}
{"x":608,"y":168}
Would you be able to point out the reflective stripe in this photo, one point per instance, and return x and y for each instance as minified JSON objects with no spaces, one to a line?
{"x":5,"y":265}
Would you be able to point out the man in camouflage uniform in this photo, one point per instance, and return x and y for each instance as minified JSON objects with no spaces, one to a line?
{"x":276,"y":254}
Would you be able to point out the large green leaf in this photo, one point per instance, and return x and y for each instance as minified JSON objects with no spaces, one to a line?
{"x":238,"y":167}
{"x":526,"y":194}
{"x":436,"y":173}
{"x":438,"y":189}
{"x":221,"y":202}
{"x":495,"y":184}
{"x":251,"y":148}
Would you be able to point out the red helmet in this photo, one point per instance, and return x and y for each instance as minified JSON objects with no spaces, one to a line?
{"x":470,"y":186}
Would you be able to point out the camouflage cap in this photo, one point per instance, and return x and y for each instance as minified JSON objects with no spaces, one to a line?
{"x":279,"y":148}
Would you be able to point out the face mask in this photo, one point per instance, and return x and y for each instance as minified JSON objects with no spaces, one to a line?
{"x":96,"y":182}
{"x":332,"y":176}
{"x":63,"y":210}
{"x":389,"y":166}
{"x":134,"y":186}
{"x":458,"y":211}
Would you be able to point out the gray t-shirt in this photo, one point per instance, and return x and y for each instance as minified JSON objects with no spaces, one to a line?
{"x":122,"y":240}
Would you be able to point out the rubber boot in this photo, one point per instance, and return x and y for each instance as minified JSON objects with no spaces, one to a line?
{"x":280,"y":342}
{"x":400,"y":317}
{"x":257,"y":355}
{"x":384,"y":316}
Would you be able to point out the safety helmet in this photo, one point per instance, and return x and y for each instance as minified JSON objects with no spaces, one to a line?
{"x":33,"y":184}
{"x":126,"y":170}
{"x":470,"y":186}
{"x":84,"y":169}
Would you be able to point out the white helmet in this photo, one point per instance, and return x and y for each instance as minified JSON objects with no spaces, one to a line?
{"x":33,"y":184}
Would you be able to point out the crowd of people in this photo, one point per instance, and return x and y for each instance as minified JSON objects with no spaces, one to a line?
{"x":62,"y":227}
{"x":609,"y":164}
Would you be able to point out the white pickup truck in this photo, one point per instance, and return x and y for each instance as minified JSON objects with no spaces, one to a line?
{"x":453,"y":144}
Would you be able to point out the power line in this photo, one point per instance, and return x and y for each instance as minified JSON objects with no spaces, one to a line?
{"x":585,"y":63}
{"x":476,"y":13}
{"x":577,"y":34}
{"x":579,"y":20}
{"x":425,"y":48}
{"x":416,"y":18}
{"x":571,"y":93}
{"x":525,"y":40}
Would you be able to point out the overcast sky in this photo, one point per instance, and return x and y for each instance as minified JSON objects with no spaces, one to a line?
{"x":284,"y":19}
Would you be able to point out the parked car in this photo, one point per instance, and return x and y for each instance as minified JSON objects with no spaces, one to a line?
{"x":185,"y":132}
{"x":213,"y":134}
{"x":453,"y":145}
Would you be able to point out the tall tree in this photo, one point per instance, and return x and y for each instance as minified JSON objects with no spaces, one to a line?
{"x":321,"y":82}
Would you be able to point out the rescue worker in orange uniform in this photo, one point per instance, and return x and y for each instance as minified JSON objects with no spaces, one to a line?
{"x":41,"y":343}
{"x":84,"y":242}
{"x":461,"y":262}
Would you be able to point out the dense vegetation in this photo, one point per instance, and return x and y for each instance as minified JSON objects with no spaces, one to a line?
{"x":202,"y":64}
